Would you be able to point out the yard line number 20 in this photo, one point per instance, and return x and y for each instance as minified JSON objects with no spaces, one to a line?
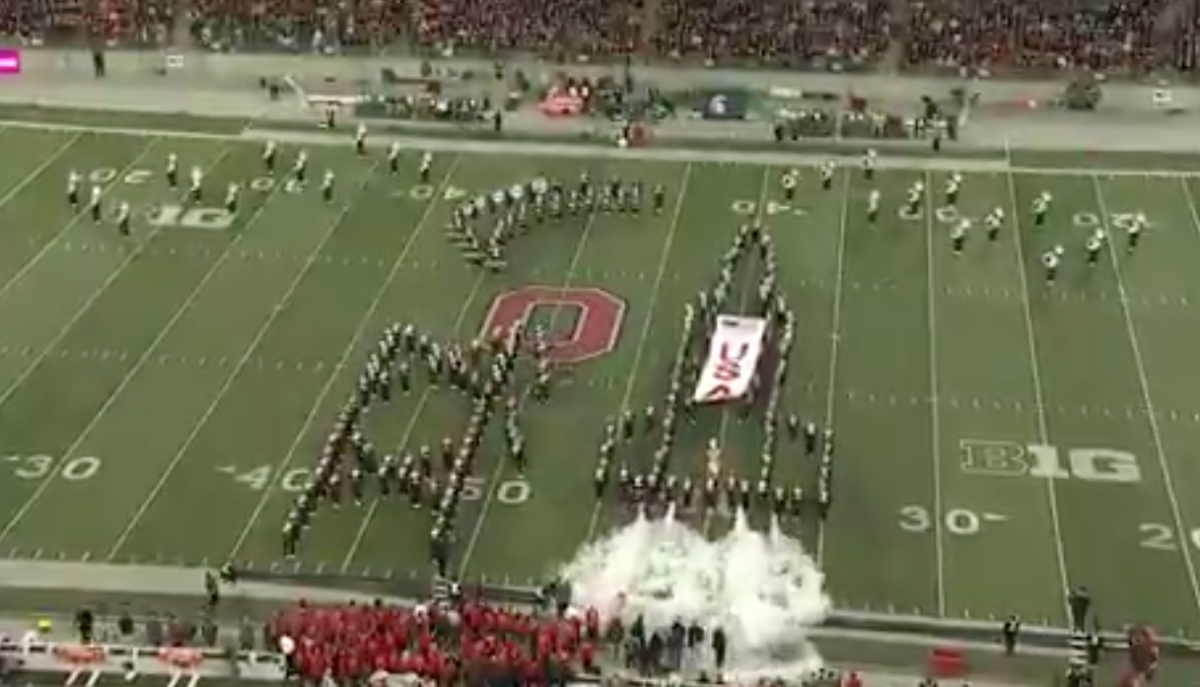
{"x":1160,"y":537}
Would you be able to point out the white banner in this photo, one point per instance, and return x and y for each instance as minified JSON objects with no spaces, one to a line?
{"x":733,"y":354}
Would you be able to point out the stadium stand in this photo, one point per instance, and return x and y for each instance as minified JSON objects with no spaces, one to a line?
{"x":848,"y":33}
{"x":1117,"y":37}
{"x":551,"y":28}
{"x":989,"y":37}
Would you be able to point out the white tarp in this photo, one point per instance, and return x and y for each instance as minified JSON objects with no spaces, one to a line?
{"x":733,"y":353}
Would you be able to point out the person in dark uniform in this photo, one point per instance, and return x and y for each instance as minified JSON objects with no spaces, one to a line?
{"x":1010,"y":631}
{"x":1080,"y":601}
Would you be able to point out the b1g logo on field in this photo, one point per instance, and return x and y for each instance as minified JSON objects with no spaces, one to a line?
{"x":1010,"y":459}
{"x":598,"y":318}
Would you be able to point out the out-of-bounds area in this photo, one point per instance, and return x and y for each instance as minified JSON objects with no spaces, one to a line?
{"x":163,"y":396}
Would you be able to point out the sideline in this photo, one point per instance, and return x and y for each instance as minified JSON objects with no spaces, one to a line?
{"x":587,"y":149}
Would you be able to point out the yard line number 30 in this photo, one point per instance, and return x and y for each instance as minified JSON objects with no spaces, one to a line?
{"x":40,"y":466}
{"x":958,"y":521}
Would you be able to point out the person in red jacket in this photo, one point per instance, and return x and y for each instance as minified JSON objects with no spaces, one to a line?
{"x":592,"y":621}
{"x":587,"y":658}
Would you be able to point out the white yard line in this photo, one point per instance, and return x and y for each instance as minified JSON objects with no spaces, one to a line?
{"x":363,"y":323}
{"x":935,"y":413}
{"x":261,"y":334}
{"x":764,"y":193}
{"x":44,"y":485}
{"x":647,"y":323}
{"x":1039,"y":398}
{"x":45,"y":250}
{"x":40,"y":169}
{"x":498,"y":472}
{"x":835,"y":336}
{"x":415,"y":417}
{"x":1143,"y":379}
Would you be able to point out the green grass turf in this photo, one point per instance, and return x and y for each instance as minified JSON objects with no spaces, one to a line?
{"x":160,"y":397}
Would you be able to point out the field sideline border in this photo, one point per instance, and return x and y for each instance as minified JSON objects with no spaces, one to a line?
{"x":681,"y":154}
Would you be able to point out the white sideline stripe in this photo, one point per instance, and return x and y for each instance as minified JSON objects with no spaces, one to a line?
{"x":1039,"y":398}
{"x":575,"y":150}
{"x":1181,"y":530}
{"x":935,"y":413}
{"x":365,"y":525}
{"x":648,"y":322}
{"x":835,"y":336}
{"x":279,"y":469}
{"x":229,"y":252}
{"x":48,"y":480}
{"x":75,"y":219}
{"x":493,"y":486}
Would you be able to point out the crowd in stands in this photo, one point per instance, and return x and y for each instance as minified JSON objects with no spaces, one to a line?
{"x":841,"y":32}
{"x":1114,"y":37}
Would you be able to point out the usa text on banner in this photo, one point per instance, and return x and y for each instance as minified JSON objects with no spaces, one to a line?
{"x":733,"y":353}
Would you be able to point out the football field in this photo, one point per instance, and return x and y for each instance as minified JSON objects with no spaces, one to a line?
{"x":163,"y":396}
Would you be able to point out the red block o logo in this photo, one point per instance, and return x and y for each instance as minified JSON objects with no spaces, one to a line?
{"x":597,"y":325}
